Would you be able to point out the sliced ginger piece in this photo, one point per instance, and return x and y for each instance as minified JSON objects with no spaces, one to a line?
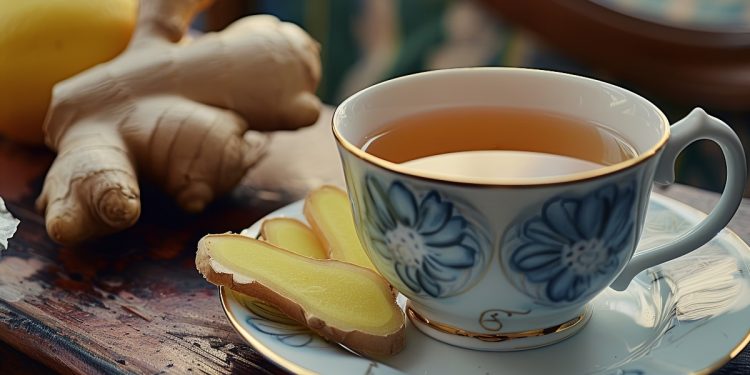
{"x":329,"y":213}
{"x":292,"y":235}
{"x":342,"y":302}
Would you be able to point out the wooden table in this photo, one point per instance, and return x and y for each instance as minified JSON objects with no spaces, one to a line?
{"x":134,"y":303}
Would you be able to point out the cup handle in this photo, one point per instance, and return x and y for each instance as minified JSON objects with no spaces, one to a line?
{"x":695,"y":126}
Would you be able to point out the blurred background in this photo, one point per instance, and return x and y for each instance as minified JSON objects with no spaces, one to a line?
{"x":677,"y":53}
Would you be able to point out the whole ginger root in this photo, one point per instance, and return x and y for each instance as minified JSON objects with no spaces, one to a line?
{"x":175,"y":111}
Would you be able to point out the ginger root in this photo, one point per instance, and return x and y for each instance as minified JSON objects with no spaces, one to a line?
{"x":342,"y":302}
{"x":329,"y":213}
{"x":292,"y":235}
{"x":174,"y":111}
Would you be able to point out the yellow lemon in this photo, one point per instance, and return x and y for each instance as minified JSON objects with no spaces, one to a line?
{"x":43,"y":42}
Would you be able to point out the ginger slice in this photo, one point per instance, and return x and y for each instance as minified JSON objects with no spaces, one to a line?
{"x":292,"y":235}
{"x":342,"y":302}
{"x":329,"y":213}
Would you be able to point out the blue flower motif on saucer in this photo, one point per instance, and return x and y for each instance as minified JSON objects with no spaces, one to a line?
{"x":431,"y":244}
{"x":268,"y":320}
{"x":574,"y":247}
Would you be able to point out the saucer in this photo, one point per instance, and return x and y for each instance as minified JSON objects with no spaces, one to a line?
{"x":690,"y":315}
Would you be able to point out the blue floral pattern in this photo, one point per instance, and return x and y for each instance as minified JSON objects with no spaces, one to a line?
{"x":268,"y":320}
{"x":574,"y":247}
{"x":430,"y":243}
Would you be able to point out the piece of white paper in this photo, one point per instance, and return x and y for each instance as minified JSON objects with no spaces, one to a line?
{"x":8,"y":225}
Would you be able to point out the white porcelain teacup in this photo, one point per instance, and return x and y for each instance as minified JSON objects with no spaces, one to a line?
{"x":510,"y":264}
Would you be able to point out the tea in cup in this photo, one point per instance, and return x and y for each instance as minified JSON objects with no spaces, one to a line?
{"x":501,"y":201}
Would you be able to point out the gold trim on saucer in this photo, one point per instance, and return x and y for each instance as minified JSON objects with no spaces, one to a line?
{"x":729,"y":238}
{"x":499,"y":337}
{"x":257,"y":345}
{"x":739,"y":348}
{"x":724,"y":360}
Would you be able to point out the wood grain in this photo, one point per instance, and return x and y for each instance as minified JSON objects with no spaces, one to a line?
{"x":12,"y":362}
{"x":130,"y":303}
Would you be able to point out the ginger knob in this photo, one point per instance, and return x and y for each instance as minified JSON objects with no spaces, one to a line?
{"x":174,"y":111}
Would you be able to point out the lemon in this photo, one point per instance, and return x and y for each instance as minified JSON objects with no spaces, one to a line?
{"x":43,"y":42}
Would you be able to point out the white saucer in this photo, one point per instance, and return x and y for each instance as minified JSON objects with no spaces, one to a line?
{"x":654,"y":327}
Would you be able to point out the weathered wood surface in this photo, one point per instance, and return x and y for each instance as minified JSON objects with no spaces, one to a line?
{"x":130,"y":303}
{"x":14,"y":362}
{"x":134,"y":302}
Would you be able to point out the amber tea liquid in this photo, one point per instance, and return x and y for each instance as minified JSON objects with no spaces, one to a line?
{"x":497,"y":143}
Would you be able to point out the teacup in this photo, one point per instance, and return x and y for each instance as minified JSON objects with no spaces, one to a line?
{"x":512,"y":263}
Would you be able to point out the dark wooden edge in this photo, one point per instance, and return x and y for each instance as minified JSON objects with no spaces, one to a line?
{"x":53,"y":349}
{"x":695,"y":67}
